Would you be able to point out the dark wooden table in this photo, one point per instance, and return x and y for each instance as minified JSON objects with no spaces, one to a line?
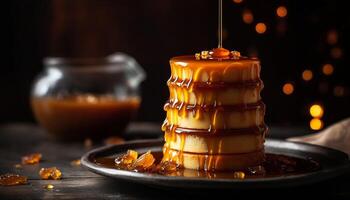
{"x":17,"y":140}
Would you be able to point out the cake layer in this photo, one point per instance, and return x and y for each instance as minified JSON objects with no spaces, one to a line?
{"x":215,"y":143}
{"x":218,"y":117}
{"x":226,"y":70}
{"x":218,"y":94}
{"x":213,"y":162}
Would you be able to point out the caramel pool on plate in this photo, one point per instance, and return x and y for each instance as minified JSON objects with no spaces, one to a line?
{"x":215,"y":116}
{"x":82,"y":116}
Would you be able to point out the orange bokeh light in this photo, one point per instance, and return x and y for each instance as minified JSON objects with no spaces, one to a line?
{"x":327,"y":69}
{"x":316,"y":110}
{"x":247,"y":16}
{"x":336,"y":52}
{"x":237,"y":1}
{"x":307,"y":75}
{"x":332,"y":37}
{"x":288,"y":88}
{"x":260,"y":28}
{"x":281,"y":11}
{"x":316,"y":124}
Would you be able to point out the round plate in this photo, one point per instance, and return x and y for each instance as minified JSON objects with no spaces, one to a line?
{"x":333,"y":163}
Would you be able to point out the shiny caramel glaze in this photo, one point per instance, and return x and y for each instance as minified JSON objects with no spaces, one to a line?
{"x":273,"y":166}
{"x":218,"y":141}
{"x":215,"y":116}
{"x":84,"y":116}
{"x":214,"y":70}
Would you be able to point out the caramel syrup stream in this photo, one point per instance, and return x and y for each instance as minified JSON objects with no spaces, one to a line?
{"x":220,"y":25}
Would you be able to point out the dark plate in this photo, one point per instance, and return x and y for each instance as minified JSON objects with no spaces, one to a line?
{"x":333,"y":162}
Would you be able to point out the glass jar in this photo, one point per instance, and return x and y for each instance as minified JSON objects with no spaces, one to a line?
{"x":87,"y":98}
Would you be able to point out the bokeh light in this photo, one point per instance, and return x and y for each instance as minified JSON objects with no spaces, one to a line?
{"x":332,"y":37}
{"x":288,"y":88}
{"x":237,"y":1}
{"x":247,"y":16}
{"x":281,"y":11}
{"x":336,"y":52}
{"x":307,"y":75}
{"x":316,"y":110}
{"x":339,"y":91}
{"x":260,"y":28}
{"x":327,"y":69}
{"x":316,"y":124}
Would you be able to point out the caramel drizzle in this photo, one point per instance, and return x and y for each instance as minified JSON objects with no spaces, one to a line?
{"x":174,"y":129}
{"x":190,"y":107}
{"x":207,"y":162}
{"x":218,"y":154}
{"x":257,"y":130}
{"x":187,"y":83}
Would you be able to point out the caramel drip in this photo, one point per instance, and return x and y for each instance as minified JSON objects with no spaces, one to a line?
{"x":257,"y":130}
{"x":229,"y":108}
{"x":189,"y":84}
{"x":262,"y":129}
{"x":178,"y":111}
{"x":215,"y":154}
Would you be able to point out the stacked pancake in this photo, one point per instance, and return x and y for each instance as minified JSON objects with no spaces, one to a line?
{"x":215,"y":116}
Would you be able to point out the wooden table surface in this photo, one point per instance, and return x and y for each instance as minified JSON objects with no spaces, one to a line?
{"x":18,"y":139}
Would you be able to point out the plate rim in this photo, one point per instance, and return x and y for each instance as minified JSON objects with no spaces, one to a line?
{"x":170,"y":181}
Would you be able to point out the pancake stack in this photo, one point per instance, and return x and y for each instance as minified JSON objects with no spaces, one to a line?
{"x":215,"y":116}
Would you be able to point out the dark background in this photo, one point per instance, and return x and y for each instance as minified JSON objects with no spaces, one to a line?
{"x":153,"y":31}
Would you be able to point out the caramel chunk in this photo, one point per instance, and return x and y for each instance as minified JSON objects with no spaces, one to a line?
{"x":167,"y":167}
{"x":235,"y":54}
{"x":144,"y":162}
{"x":125,"y":161}
{"x":204,"y":54}
{"x":12,"y":179}
{"x":50,"y":173}
{"x":239,"y":175}
{"x":31,"y":159}
{"x":197,"y":56}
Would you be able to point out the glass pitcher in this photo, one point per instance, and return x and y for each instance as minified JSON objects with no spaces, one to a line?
{"x":87,"y":98}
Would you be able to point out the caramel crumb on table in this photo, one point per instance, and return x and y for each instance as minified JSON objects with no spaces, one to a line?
{"x":12,"y":179}
{"x":76,"y":162}
{"x":49,"y":187}
{"x":50,"y":173}
{"x":31,"y":159}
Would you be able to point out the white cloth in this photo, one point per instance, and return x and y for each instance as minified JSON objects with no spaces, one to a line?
{"x":336,"y":136}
